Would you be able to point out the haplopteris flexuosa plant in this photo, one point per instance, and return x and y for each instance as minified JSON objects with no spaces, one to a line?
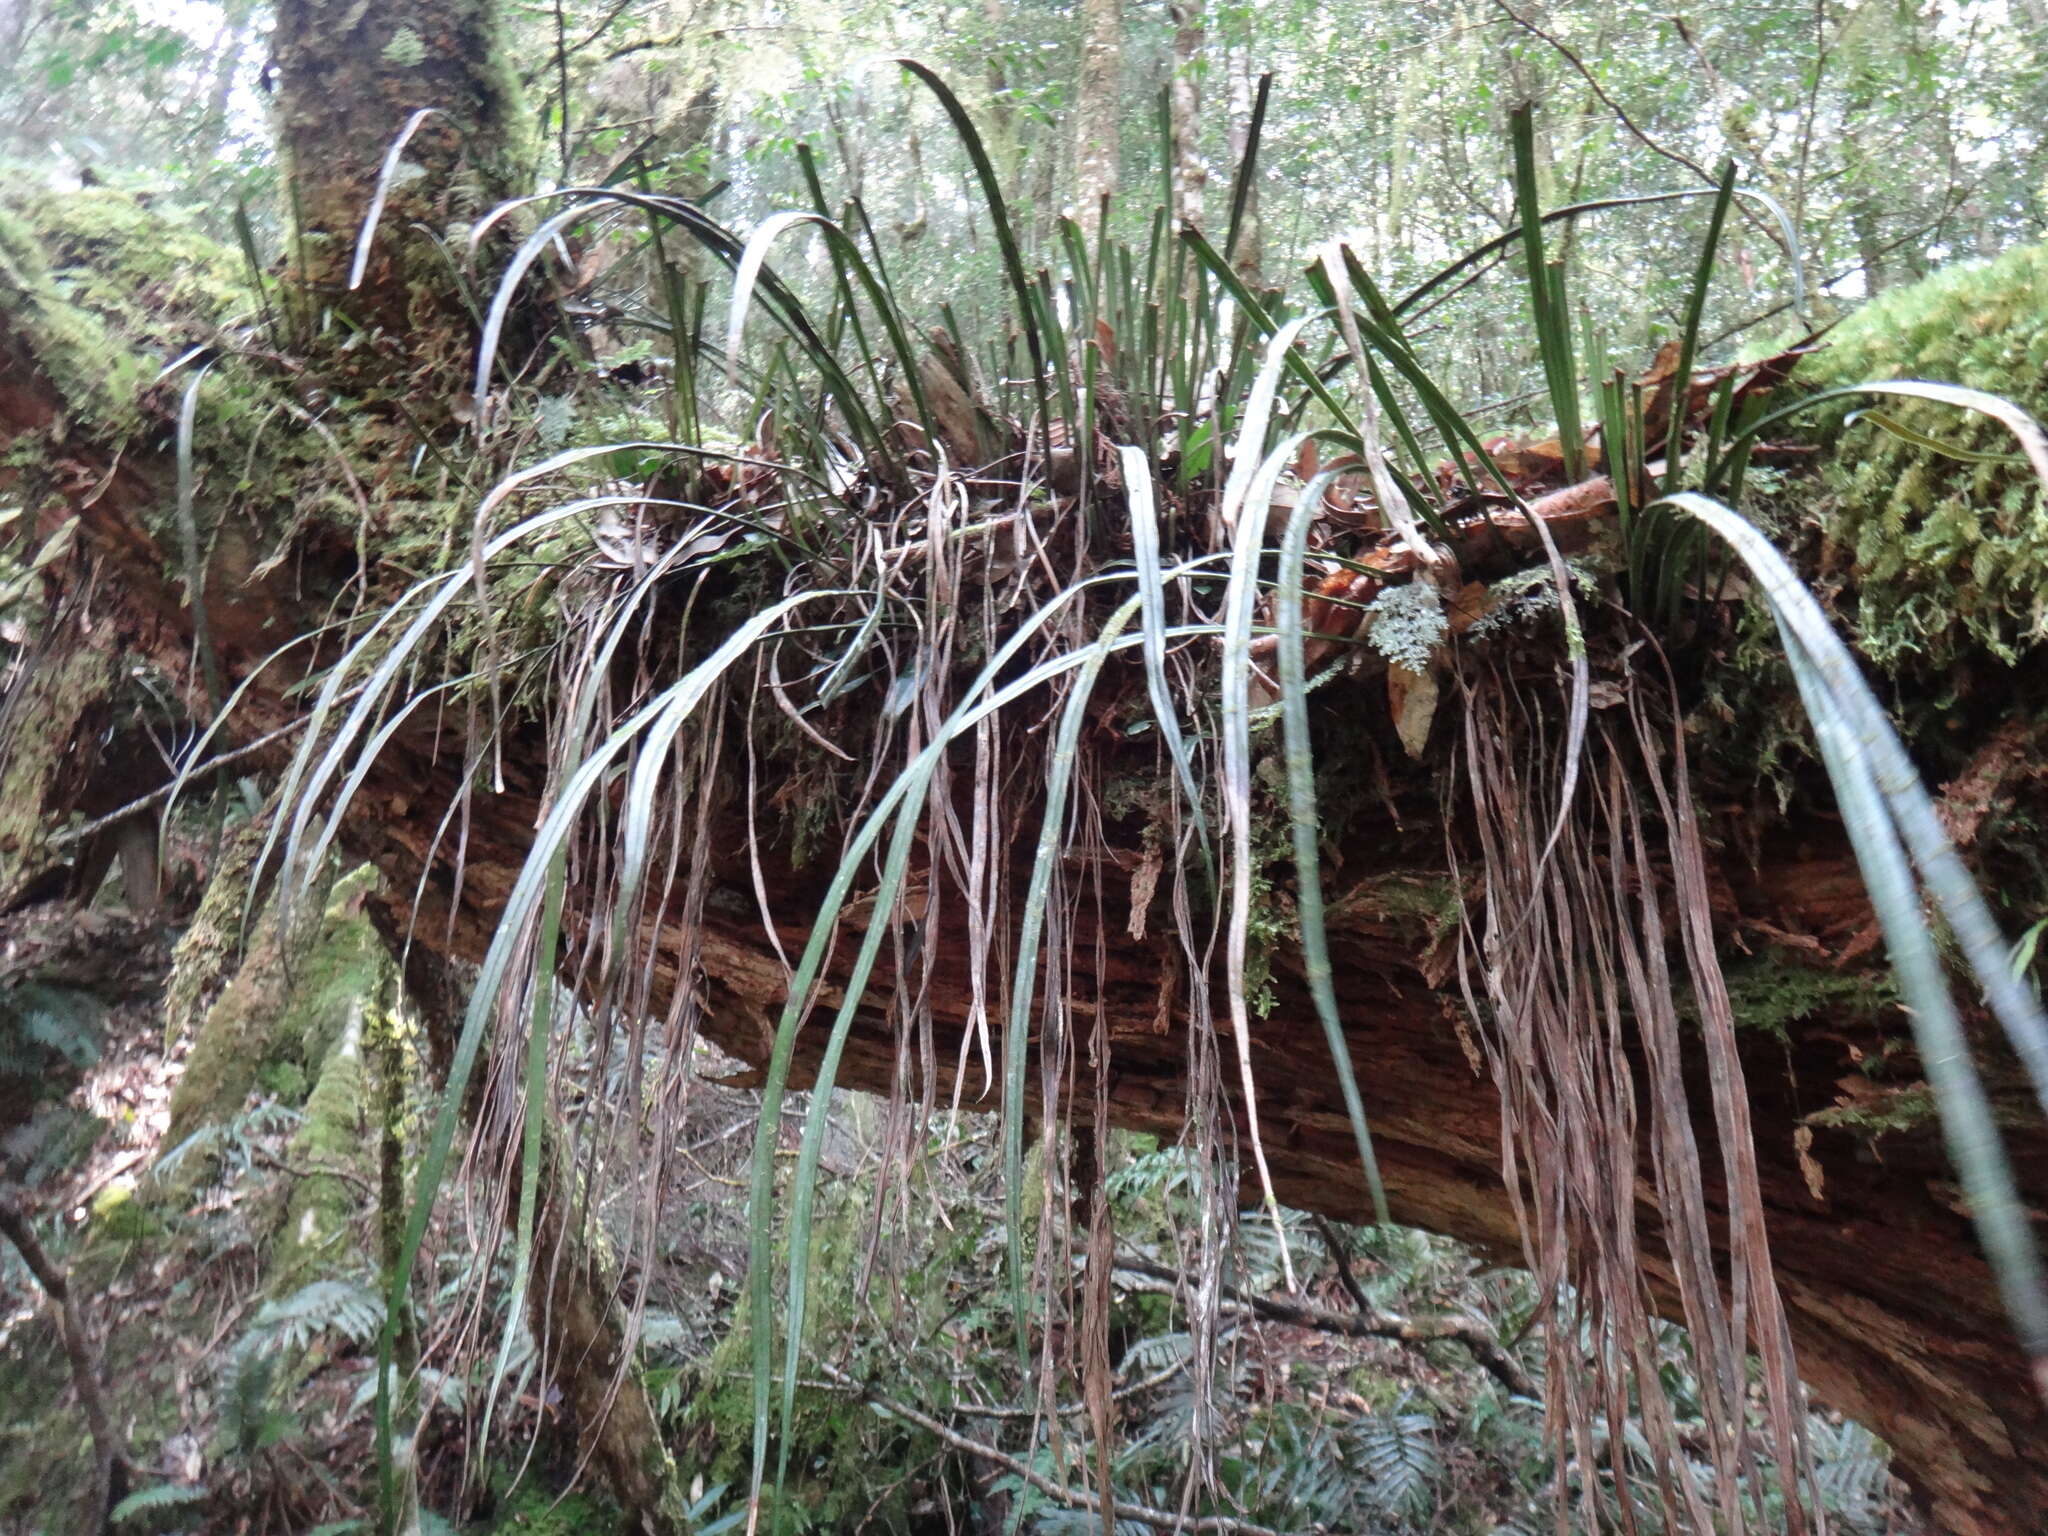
{"x":929,"y":584}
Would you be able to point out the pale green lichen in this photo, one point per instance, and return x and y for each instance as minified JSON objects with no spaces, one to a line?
{"x":1407,"y":623}
{"x":117,"y":1215}
{"x":405,"y":49}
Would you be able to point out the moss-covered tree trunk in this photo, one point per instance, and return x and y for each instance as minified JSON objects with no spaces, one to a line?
{"x":1896,"y":1317}
{"x":577,"y":1316}
{"x":51,"y":714}
{"x":400,"y":125}
{"x":353,"y":77}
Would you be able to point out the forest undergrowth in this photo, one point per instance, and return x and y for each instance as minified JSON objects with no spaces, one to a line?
{"x":934,"y":660}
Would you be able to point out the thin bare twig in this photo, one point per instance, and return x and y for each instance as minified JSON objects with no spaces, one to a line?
{"x":1158,"y":1519}
{"x":1620,"y":112}
{"x":1144,"y":1384}
{"x":315,"y":1171}
{"x":211,"y":765}
{"x":1676,"y":157}
{"x":110,"y":1461}
{"x":1334,"y":1246}
{"x":1369,"y":1323}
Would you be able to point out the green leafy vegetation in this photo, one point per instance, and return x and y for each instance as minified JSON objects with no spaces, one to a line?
{"x":1034,"y":580}
{"x":1937,"y":512}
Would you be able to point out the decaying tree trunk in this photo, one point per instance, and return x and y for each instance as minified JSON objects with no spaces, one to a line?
{"x":1895,"y":1316}
{"x":52,"y":712}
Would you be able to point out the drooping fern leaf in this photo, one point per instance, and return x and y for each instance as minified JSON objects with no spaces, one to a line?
{"x":160,"y":1496}
{"x":1397,"y":1453}
{"x":338,"y":1306}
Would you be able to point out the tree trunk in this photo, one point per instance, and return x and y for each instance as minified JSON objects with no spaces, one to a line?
{"x":576,"y":1315}
{"x":352,"y":76}
{"x":1896,"y":1317}
{"x":1098,"y":149}
{"x":1002,"y":111}
{"x":1187,"y":176}
{"x":1248,"y":255}
{"x":56,"y":704}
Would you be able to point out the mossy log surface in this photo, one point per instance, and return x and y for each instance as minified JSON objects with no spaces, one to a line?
{"x":1895,"y":1316}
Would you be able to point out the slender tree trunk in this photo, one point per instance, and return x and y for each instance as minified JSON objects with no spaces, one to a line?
{"x":1869,"y":246}
{"x":109,"y":1459}
{"x":235,"y":35}
{"x":573,"y":1299}
{"x":1002,"y":111}
{"x":580,"y":1323}
{"x":1188,"y":176}
{"x":1098,"y":150}
{"x":1249,"y":254}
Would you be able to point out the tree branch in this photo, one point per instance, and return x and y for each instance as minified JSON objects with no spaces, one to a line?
{"x":109,"y":1460}
{"x":1158,"y":1519}
{"x":156,"y":796}
{"x":1370,"y":1324}
{"x":1620,"y":112}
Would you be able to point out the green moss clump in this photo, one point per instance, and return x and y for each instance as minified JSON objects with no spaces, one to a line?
{"x":1900,"y":1108}
{"x":99,"y":379}
{"x":106,"y":288}
{"x":1407,"y":896}
{"x":1775,"y":991}
{"x":211,"y":944}
{"x":293,"y":998}
{"x":143,"y":265}
{"x":332,"y":1136}
{"x":119,"y":1216}
{"x":344,"y":972}
{"x":1948,"y":555}
{"x":533,"y":1510}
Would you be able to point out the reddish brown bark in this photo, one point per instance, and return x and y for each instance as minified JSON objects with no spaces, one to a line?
{"x":1896,"y":1317}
